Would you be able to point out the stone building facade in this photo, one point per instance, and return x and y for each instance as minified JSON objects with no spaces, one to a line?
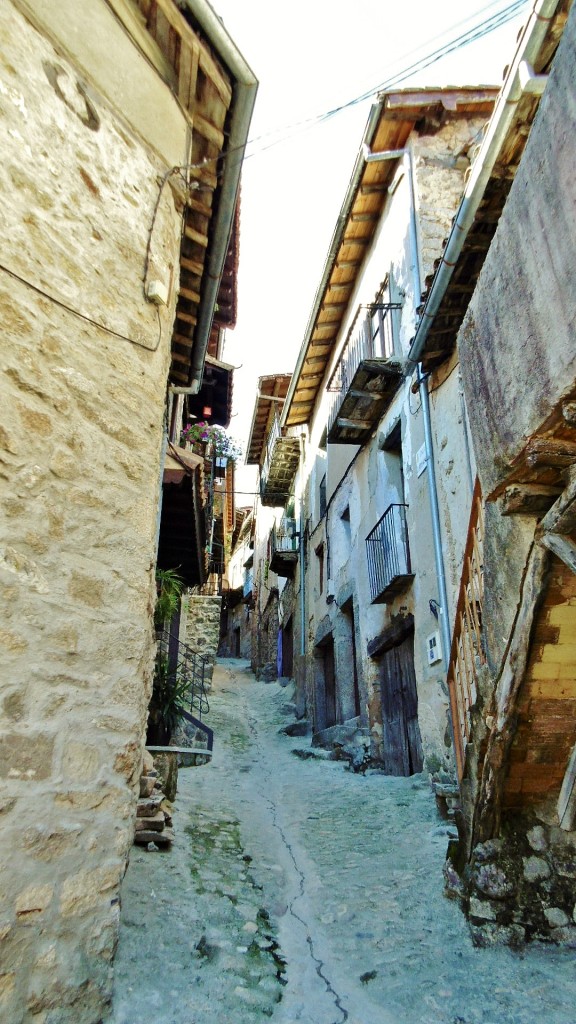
{"x":89,"y":131}
{"x":363,"y":483}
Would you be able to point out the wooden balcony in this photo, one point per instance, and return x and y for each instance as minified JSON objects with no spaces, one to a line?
{"x":467,"y":652}
{"x":366,"y":378}
{"x":279,"y":467}
{"x":388,"y":555}
{"x":284,"y":547}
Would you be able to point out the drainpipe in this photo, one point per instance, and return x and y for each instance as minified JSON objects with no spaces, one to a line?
{"x":244,"y":96}
{"x":520,"y":79}
{"x":425,"y":399}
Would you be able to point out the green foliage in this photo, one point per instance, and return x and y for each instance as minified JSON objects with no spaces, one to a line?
{"x":170,"y":692}
{"x":170,"y":586}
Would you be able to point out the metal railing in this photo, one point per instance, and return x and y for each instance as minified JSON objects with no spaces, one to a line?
{"x":273,"y":435}
{"x":184,"y":670}
{"x":372,"y":339}
{"x":284,"y":535}
{"x":388,"y":553}
{"x":467,"y":650}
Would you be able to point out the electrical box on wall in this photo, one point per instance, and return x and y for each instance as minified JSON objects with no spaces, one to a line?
{"x":434,"y":648}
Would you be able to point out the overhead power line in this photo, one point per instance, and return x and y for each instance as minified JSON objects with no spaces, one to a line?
{"x":451,"y":45}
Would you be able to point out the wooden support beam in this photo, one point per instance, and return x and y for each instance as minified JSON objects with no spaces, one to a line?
{"x":196,"y":236}
{"x":555,"y":529}
{"x":360,"y":218}
{"x":187,"y":293}
{"x":347,"y":264}
{"x":188,"y":318}
{"x":528,"y":499}
{"x":194,"y":266}
{"x":550,"y":451}
{"x":356,"y":241}
{"x":345,"y":424}
{"x":507,"y":685}
{"x":359,"y":393}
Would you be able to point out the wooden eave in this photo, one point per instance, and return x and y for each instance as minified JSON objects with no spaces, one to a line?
{"x":204,"y":89}
{"x":273,"y":386}
{"x":442,"y":335}
{"x":397,"y":115}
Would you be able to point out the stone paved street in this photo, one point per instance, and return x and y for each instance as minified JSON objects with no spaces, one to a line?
{"x":298,"y":891}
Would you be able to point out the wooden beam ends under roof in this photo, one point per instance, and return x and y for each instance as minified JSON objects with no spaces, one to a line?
{"x":390,"y":123}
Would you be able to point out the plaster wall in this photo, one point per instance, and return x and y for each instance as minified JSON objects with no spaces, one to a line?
{"x":362,"y":483}
{"x":84,"y":366}
{"x":518,"y":342}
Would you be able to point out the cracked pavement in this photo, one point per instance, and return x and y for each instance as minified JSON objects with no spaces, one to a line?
{"x":298,"y":891}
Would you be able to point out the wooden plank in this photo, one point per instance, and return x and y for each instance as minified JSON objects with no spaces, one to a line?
{"x":209,"y":131}
{"x":188,"y":318}
{"x":370,"y":395}
{"x":194,"y":266}
{"x":346,"y":424}
{"x":543,"y":451}
{"x":196,"y":236}
{"x":208,"y":64}
{"x":192,"y":296}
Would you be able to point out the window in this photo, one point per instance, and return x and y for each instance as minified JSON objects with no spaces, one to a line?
{"x":382,"y":320}
{"x":319,"y":552}
{"x":322,"y":495}
{"x":345,"y":520}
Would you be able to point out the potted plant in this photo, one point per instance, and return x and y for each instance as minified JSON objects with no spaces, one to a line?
{"x":218,"y":444}
{"x":170,"y":693}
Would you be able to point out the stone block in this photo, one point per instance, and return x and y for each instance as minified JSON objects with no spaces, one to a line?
{"x":27,"y":756}
{"x":80,"y":761}
{"x":152,"y":822}
{"x":536,"y":869}
{"x":84,"y":891}
{"x":34,"y":900}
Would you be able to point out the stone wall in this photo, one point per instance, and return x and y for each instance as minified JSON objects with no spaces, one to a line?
{"x":85,"y":360}
{"x":523,"y":304}
{"x":201,"y":618}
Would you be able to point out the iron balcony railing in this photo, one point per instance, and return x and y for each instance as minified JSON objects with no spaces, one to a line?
{"x":284,"y":535}
{"x":371,"y":337}
{"x":388,"y":553}
{"x":273,"y":435}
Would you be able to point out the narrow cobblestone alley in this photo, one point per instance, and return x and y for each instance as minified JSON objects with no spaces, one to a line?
{"x":297,"y":890}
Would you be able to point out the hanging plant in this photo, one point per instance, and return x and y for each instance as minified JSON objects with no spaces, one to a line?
{"x":222,"y":445}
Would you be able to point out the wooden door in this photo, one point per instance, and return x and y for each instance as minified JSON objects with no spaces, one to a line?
{"x":329,"y":684}
{"x":402,"y":746}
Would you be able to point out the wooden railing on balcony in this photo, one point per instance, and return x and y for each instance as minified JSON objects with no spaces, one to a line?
{"x":467,"y":651}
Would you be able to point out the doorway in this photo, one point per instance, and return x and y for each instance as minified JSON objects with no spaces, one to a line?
{"x":401,"y":742}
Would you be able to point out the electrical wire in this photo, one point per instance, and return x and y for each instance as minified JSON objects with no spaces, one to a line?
{"x":459,"y":42}
{"x":84,"y":316}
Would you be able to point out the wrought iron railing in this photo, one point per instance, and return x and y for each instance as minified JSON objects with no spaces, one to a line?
{"x":284,"y":535}
{"x":467,"y":651}
{"x":274,"y":433}
{"x":387,"y":553}
{"x":371,"y":337}
{"x":185,"y":670}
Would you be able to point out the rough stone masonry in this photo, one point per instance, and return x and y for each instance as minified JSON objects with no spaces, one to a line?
{"x":84,"y":361}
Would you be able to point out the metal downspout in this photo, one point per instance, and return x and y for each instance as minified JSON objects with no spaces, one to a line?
{"x":430,"y":470}
{"x":504,"y":111}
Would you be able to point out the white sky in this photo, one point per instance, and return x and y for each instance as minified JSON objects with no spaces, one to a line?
{"x":309,"y":57}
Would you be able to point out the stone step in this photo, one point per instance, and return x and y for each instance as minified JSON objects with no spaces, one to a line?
{"x":152,"y":823}
{"x":146,"y":836}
